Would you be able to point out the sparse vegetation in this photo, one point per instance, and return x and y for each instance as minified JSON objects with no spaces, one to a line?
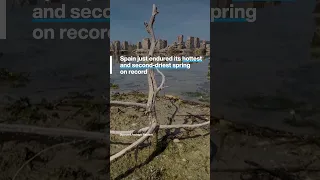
{"x":15,"y":79}
{"x":114,"y":86}
{"x":79,"y":111}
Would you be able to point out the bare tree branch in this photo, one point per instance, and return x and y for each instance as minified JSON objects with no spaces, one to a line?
{"x":153,"y":90}
{"x":59,"y":132}
{"x":133,"y":145}
{"x":162,"y":82}
{"x":51,"y":147}
{"x":128,"y":104}
{"x":174,"y":126}
{"x":125,"y":103}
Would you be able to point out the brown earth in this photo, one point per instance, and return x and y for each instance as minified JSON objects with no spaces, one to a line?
{"x":180,"y":154}
{"x":243,"y":151}
{"x":74,"y":159}
{"x":249,"y":152}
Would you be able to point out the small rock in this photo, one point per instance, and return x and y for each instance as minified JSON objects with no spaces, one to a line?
{"x":142,"y":110}
{"x":176,"y":140}
{"x":180,"y":145}
{"x":184,"y":160}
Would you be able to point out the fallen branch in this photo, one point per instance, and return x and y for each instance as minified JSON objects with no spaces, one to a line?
{"x":62,"y":132}
{"x":288,"y":169}
{"x":128,"y":104}
{"x":59,"y":132}
{"x":52,"y":147}
{"x":196,"y":115}
{"x":161,"y":86}
{"x":135,"y":144}
{"x":145,"y":129}
{"x":276,"y":172}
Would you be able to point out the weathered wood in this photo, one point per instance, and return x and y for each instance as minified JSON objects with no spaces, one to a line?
{"x":58,"y":132}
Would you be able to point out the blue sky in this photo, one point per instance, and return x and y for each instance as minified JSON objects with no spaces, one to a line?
{"x":187,"y":17}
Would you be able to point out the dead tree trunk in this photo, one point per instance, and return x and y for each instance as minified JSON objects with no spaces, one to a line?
{"x":153,"y":88}
{"x":151,"y":75}
{"x":151,"y":104}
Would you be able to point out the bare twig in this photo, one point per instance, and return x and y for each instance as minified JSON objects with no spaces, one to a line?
{"x":133,"y":145}
{"x":59,"y":132}
{"x":197,"y":116}
{"x":125,"y":103}
{"x":174,"y":126}
{"x":282,"y":174}
{"x":52,"y":147}
{"x":73,"y":114}
{"x":128,"y":104}
{"x":194,"y":115}
{"x":162,"y":82}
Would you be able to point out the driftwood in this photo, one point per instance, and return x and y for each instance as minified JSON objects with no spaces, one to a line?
{"x":145,"y":129}
{"x":128,"y":104}
{"x":58,"y":132}
{"x":153,"y":90}
{"x":47,"y":149}
{"x":151,"y":103}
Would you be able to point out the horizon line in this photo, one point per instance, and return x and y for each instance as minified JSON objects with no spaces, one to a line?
{"x":159,"y":39}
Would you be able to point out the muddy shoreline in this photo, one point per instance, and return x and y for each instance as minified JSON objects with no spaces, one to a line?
{"x":241,"y":150}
